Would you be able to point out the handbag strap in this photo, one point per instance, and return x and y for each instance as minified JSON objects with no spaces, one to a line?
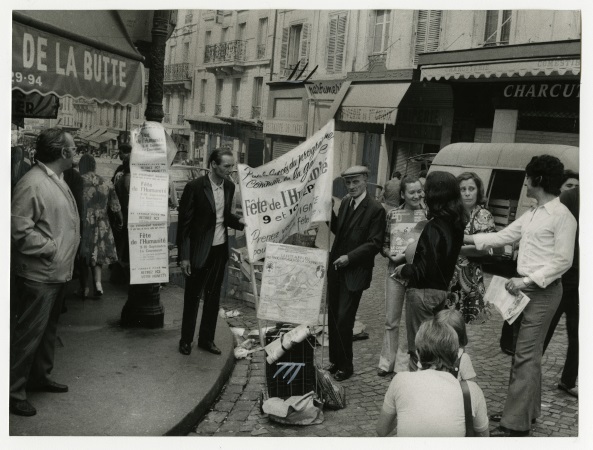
{"x":467,"y":406}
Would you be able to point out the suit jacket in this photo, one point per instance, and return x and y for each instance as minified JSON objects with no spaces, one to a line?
{"x":361,"y":239}
{"x":197,"y":219}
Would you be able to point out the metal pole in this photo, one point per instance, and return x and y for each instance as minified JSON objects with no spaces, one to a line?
{"x":144,"y":307}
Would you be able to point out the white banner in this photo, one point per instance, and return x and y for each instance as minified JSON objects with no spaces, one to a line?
{"x":287,"y":195}
{"x":292,"y":283}
{"x":148,"y":207}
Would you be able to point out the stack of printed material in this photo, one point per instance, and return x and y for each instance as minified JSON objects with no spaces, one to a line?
{"x":510,"y":306}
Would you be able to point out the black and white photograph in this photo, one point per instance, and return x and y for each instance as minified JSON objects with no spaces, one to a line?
{"x":156,"y":152}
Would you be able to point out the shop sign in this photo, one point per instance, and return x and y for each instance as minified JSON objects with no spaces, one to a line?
{"x":285,"y":127}
{"x":324,"y":90}
{"x":368,"y":115}
{"x":542,"y":90}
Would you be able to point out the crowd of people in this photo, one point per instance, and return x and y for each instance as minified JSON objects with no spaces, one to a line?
{"x":437,"y":286}
{"x":62,"y":225}
{"x":66,"y":221}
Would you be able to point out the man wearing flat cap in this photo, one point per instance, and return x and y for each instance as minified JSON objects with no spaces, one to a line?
{"x":358,"y":230}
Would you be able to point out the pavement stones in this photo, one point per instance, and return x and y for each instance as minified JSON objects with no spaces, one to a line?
{"x":237,"y":411}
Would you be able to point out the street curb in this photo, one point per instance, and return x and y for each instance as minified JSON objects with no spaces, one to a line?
{"x":186,"y":425}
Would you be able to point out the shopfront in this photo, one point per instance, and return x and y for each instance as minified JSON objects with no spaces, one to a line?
{"x":527,"y":93}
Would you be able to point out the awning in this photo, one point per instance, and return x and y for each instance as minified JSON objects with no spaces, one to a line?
{"x":85,"y":133}
{"x":541,"y":59}
{"x":102,"y":138}
{"x":84,"y":54}
{"x":206,"y":119}
{"x":372,"y":103}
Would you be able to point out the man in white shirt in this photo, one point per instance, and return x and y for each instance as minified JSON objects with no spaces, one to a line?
{"x":546,"y":234}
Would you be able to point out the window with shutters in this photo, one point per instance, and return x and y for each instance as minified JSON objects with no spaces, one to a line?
{"x":428,"y":32}
{"x":295,"y":47}
{"x":336,"y":42}
{"x":258,"y":90}
{"x":497,"y":29}
{"x":381,"y":30}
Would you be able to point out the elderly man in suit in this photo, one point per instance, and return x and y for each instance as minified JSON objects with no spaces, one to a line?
{"x":358,"y":229}
{"x":204,"y":215}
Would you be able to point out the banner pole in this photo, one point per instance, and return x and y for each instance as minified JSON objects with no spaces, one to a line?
{"x":325,"y":308}
{"x":256,"y":296}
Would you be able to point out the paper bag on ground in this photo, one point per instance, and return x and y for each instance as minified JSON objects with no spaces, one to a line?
{"x":510,"y":306}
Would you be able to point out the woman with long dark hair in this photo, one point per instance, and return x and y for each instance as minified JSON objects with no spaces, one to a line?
{"x":429,"y":272}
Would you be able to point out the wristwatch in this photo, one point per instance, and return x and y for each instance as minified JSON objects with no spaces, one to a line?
{"x":527,"y":281}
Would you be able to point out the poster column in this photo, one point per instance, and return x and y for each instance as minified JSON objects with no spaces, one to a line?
{"x":148,"y":207}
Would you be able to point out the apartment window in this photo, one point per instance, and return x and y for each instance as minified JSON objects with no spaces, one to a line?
{"x":428,"y":32}
{"x":170,"y":55}
{"x":241,"y":31}
{"x":498,"y":28}
{"x":208,"y":37}
{"x":224,"y":34}
{"x":181,"y":115}
{"x":336,"y":41}
{"x":295,"y":46}
{"x":203,"y":86}
{"x":218,"y":104}
{"x":262,"y":34}
{"x":186,"y":52}
{"x":167,"y":103}
{"x":235,"y":97}
{"x":381,"y":34}
{"x":258,"y":91}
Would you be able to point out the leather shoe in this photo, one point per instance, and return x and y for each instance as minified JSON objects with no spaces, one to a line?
{"x":570,"y":391}
{"x":184,"y":348}
{"x":342,"y":375}
{"x":332,"y":368}
{"x":384,"y":373}
{"x":50,"y":386}
{"x":210,"y":347}
{"x":22,"y":408}
{"x":498,"y":417}
{"x":506,"y":432}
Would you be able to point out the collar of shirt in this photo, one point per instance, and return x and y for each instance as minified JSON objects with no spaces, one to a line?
{"x":214,"y":185}
{"x":50,"y":172}
{"x":359,"y":199}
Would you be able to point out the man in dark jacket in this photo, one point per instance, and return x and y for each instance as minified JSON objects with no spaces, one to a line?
{"x":204,"y":215}
{"x":359,"y":229}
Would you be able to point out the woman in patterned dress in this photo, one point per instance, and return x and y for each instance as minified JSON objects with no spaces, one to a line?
{"x":97,"y":244}
{"x":467,"y":286}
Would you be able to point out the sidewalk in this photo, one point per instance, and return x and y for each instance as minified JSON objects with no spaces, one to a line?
{"x":126,"y":381}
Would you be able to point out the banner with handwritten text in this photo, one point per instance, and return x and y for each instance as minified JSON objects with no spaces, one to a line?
{"x":289,"y":194}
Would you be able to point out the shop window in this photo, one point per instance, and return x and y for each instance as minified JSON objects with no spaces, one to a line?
{"x":428,"y":32}
{"x":336,"y":42}
{"x":381,"y":30}
{"x":497,"y":28}
{"x":549,"y":121}
{"x":295,"y":47}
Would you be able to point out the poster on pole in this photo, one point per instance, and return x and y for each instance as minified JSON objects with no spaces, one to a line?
{"x":289,"y":194}
{"x":148,"y":205}
{"x":292,"y":283}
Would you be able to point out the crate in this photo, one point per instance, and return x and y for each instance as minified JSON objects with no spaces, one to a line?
{"x":281,"y":379}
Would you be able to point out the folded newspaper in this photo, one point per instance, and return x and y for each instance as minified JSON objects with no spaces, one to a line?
{"x":510,"y":306}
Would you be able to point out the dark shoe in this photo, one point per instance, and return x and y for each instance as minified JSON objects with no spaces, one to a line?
{"x":360,"y":336}
{"x":507,"y":432}
{"x":570,"y":391}
{"x":184,"y":348}
{"x":384,"y":373}
{"x":342,"y":375}
{"x":210,"y":347}
{"x":51,"y":386}
{"x":498,"y":417}
{"x":332,"y":368}
{"x":22,"y":408}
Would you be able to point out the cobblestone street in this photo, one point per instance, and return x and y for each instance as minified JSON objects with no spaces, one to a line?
{"x":237,"y":410}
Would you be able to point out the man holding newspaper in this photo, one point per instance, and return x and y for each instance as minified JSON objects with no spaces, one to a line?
{"x":546,"y":235}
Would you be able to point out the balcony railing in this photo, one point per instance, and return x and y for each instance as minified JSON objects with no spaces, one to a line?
{"x":217,"y":110}
{"x":180,"y":119}
{"x":167,"y":118}
{"x":230,"y":51}
{"x":178,"y":72}
{"x":235,"y":111}
{"x":202,"y":107}
{"x":255,"y":112}
{"x":261,"y":51}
